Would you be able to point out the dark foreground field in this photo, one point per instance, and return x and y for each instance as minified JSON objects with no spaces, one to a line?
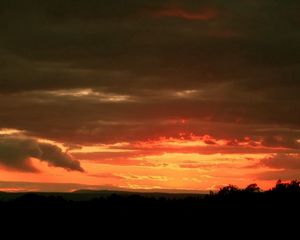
{"x":249,"y":208}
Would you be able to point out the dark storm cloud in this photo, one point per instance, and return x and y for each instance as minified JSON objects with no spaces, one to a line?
{"x":94,"y":41}
{"x":15,"y":153}
{"x":95,"y":119}
{"x":241,"y":57}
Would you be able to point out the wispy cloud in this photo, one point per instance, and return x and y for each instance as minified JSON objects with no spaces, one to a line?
{"x":192,"y":15}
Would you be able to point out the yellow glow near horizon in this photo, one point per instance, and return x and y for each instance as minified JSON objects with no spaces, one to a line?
{"x":10,"y":131}
{"x":163,"y":163}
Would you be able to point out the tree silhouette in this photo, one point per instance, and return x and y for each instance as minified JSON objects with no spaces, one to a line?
{"x":252,"y":188}
{"x":228,"y":190}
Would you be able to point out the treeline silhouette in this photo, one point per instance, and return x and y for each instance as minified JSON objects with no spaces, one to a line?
{"x":284,"y":197}
{"x":250,"y":209}
{"x":241,"y":212}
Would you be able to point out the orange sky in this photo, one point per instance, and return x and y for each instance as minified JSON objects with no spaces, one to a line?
{"x":188,"y":162}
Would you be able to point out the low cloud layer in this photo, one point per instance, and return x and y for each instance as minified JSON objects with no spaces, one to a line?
{"x":283,"y":161}
{"x":13,"y":186}
{"x":16,"y":152}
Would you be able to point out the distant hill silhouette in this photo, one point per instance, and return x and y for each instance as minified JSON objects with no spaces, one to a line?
{"x":124,"y":190}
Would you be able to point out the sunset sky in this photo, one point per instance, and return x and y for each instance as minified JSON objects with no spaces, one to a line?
{"x":136,"y":94}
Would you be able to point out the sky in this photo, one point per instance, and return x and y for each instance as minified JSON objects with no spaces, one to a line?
{"x":189,"y":95}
